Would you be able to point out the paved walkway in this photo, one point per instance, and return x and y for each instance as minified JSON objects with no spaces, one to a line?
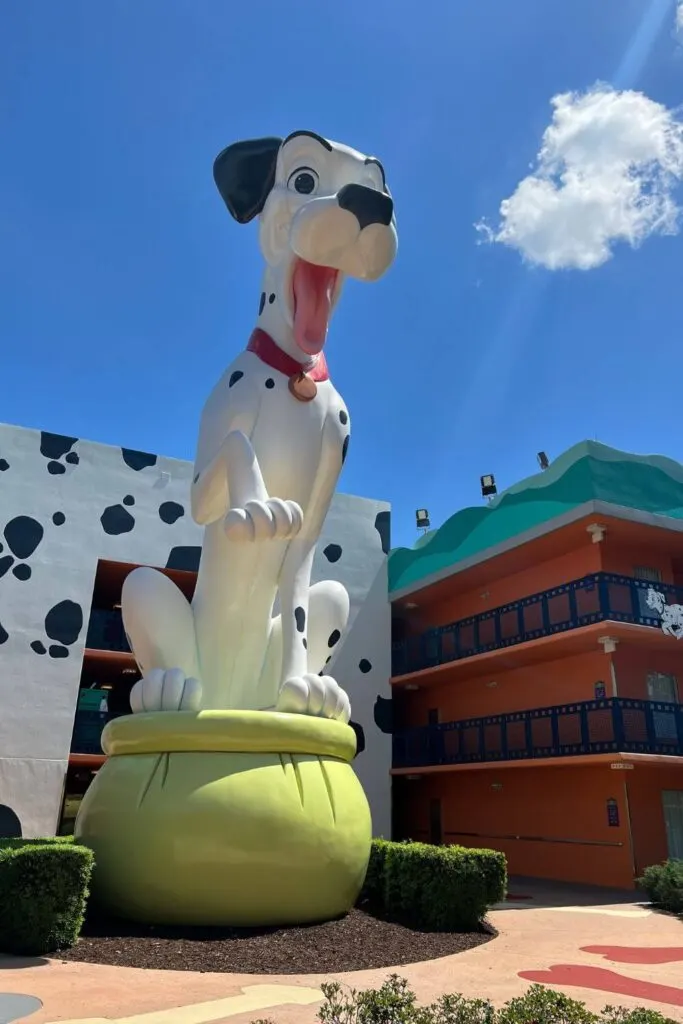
{"x":597,"y":946}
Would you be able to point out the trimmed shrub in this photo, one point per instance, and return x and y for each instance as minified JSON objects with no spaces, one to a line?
{"x":395,"y":1003}
{"x":43,"y":894}
{"x":372,"y":894}
{"x":441,"y":888}
{"x":663,"y":884}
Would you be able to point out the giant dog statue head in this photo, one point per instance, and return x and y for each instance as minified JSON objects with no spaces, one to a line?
{"x":325,"y":214}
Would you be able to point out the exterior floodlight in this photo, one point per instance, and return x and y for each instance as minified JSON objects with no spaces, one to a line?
{"x":488,"y":486}
{"x":543,"y":460}
{"x":422,"y":519}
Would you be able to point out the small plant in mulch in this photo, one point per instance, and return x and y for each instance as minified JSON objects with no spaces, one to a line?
{"x":396,"y":1003}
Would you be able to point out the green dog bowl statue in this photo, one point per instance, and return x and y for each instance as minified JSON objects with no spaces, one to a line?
{"x":227,"y":818}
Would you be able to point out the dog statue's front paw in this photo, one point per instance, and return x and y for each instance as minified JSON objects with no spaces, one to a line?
{"x":314,"y":695}
{"x":273,"y":519}
{"x":166,"y":690}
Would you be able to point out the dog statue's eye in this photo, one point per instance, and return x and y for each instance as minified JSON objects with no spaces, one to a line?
{"x":303,"y":180}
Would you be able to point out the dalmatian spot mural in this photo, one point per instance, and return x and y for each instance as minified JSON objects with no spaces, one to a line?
{"x":55,"y":447}
{"x":170,"y":512}
{"x":59,"y":519}
{"x":23,"y":535}
{"x":4,"y":635}
{"x":4,"y":465}
{"x":185,"y":559}
{"x":333,"y":552}
{"x":10,"y":826}
{"x":359,"y":737}
{"x":116,"y":519}
{"x":63,"y":624}
{"x":384,"y":715}
{"x":383,"y":527}
{"x":365,"y":666}
{"x":138,"y":460}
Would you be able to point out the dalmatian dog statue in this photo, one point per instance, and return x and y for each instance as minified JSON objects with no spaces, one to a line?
{"x":272,"y":441}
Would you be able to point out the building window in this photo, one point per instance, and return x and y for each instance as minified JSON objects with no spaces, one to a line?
{"x":663,"y":689}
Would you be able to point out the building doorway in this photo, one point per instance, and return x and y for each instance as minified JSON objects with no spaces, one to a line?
{"x":672,"y":803}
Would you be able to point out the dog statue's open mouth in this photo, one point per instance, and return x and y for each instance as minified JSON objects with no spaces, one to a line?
{"x":314,"y":291}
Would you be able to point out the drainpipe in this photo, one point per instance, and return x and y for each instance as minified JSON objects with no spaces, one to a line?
{"x":630,"y":832}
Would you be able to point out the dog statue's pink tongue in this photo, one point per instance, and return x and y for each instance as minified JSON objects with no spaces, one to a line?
{"x":313,"y":289}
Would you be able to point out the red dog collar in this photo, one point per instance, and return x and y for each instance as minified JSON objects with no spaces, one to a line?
{"x":263,"y":346}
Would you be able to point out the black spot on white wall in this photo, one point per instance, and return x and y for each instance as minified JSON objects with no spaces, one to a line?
{"x":59,"y":519}
{"x":343,"y":417}
{"x":4,"y":635}
{"x":384,"y":714}
{"x":234,"y":377}
{"x":10,"y":828}
{"x":334,"y":638}
{"x":63,"y":624}
{"x":170,"y":512}
{"x":365,"y":666}
{"x":185,"y":559}
{"x":23,"y":535}
{"x":116,"y":519}
{"x":4,"y":465}
{"x":54,"y":447}
{"x":383,"y":527}
{"x":333,"y":552}
{"x":345,"y":449}
{"x":300,"y":618}
{"x":129,"y":500}
{"x":360,"y":737}
{"x":138,"y":460}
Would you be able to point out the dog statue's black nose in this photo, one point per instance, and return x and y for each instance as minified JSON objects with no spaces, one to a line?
{"x":366,"y":204}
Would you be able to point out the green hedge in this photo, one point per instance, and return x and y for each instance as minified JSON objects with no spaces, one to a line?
{"x":663,"y":884}
{"x":395,"y":1001}
{"x":44,"y":885}
{"x":436,"y":888}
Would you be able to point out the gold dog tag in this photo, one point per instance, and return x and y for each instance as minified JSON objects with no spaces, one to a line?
{"x":302,"y":387}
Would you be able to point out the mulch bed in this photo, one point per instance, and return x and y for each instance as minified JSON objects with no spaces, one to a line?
{"x":356,"y":942}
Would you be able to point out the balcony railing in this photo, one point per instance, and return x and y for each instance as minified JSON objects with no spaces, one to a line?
{"x":87,"y":734}
{"x":616,"y":725}
{"x":105,"y":631}
{"x":578,"y":603}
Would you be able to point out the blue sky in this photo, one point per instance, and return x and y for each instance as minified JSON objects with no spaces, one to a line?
{"x":126,"y":289}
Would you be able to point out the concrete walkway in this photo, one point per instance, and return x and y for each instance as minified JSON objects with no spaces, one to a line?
{"x":598,"y":946}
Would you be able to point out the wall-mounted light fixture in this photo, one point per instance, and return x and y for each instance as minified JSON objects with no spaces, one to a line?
{"x":422,"y":519}
{"x":488,"y":486}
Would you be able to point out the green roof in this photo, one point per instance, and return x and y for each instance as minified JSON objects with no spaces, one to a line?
{"x":587,"y":472}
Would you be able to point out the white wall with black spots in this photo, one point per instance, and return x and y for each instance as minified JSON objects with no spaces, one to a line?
{"x":67,"y":502}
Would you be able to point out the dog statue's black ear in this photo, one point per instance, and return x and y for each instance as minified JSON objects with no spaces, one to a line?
{"x":244,"y":174}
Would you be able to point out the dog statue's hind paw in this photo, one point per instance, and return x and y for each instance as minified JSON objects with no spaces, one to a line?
{"x":273,"y":519}
{"x":166,"y":690}
{"x":320,"y":696}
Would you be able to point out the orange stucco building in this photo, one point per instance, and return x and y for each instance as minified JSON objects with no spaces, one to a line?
{"x":536,"y":672}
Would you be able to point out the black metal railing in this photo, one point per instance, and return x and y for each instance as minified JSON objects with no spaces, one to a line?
{"x":105,"y":631}
{"x":87,"y":734}
{"x":613,"y":725}
{"x":595,"y":598}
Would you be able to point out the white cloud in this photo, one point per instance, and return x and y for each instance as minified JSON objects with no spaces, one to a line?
{"x":679,"y":19}
{"x":606,"y":172}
